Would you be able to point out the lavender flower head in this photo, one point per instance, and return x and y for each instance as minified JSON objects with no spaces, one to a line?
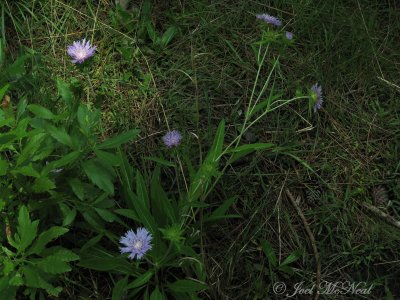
{"x":317,"y":96}
{"x":269,"y":19}
{"x":137,"y":244}
{"x":172,"y":138}
{"x":81,"y":51}
{"x":289,"y":35}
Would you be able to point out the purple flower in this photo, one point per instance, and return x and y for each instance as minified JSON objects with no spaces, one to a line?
{"x":137,"y":244}
{"x":81,"y":51}
{"x":317,"y":96}
{"x":172,"y":138}
{"x":269,"y":19}
{"x":289,"y":35}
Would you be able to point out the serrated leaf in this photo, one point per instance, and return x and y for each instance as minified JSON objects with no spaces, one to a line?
{"x":60,"y":135}
{"x":53,"y":265}
{"x":26,"y":229}
{"x":60,"y":253}
{"x":46,"y":237}
{"x":118,"y":140}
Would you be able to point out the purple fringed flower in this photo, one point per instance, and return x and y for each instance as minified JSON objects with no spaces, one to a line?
{"x":172,"y":138}
{"x":137,"y":244}
{"x":270,"y":19}
{"x":317,"y":89}
{"x":289,"y":35}
{"x":81,"y":51}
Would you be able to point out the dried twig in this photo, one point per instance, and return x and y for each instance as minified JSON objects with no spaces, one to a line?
{"x":380,"y":213}
{"x":312,"y":240}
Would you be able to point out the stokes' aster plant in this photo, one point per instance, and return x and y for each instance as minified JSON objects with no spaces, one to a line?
{"x":172,"y":138}
{"x":81,"y":51}
{"x":137,"y":244}
{"x":269,"y":19}
{"x":317,"y":97}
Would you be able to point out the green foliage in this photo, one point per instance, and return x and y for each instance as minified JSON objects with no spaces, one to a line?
{"x":29,"y":262}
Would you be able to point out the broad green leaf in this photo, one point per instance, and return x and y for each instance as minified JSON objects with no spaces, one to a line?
{"x":107,"y":157}
{"x":152,"y":32}
{"x":118,"y":140}
{"x":87,"y":119}
{"x":64,"y":91}
{"x":186,"y":286}
{"x":119,"y":288}
{"x":209,"y":167}
{"x":46,"y":237}
{"x":106,"y":215}
{"x":17,"y":69}
{"x":26,"y":171}
{"x":68,"y":214}
{"x":163,"y":209}
{"x":34,"y":280}
{"x":26,"y":229}
{"x":64,"y":161}
{"x":60,"y":253}
{"x":168,"y":36}
{"x":16,"y":280}
{"x":97,"y":260}
{"x":3,"y":167}
{"x":3,"y":91}
{"x":100,"y":175}
{"x":223,"y":208}
{"x":252,"y":147}
{"x":41,"y":112}
{"x":43,"y":184}
{"x":269,"y":253}
{"x":157,"y":295}
{"x":291,"y":258}
{"x":5,"y":140}
{"x":216,"y":148}
{"x":21,"y":107}
{"x":141,"y":280}
{"x":128,"y":213}
{"x":141,"y":190}
{"x":92,"y":242}
{"x":77,"y":188}
{"x":2,"y":52}
{"x":33,"y":144}
{"x":53,"y":265}
{"x":60,"y":135}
